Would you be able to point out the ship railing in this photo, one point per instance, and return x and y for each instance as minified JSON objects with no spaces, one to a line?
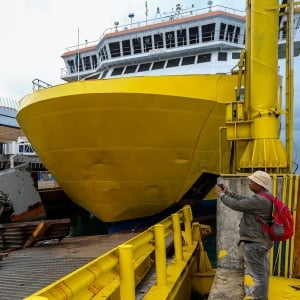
{"x":196,"y":42}
{"x":39,"y":84}
{"x":168,"y":16}
{"x":9,"y":103}
{"x":117,"y":274}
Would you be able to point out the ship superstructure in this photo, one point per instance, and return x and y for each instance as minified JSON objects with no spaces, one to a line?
{"x":203,"y":41}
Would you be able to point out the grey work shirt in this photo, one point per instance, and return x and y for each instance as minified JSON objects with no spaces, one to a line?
{"x":251,"y":206}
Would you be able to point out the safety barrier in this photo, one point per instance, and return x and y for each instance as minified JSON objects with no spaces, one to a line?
{"x":116,"y":274}
{"x":283,"y":259}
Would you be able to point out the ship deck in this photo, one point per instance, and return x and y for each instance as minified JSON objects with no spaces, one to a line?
{"x":26,"y":271}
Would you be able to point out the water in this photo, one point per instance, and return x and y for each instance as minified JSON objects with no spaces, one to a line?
{"x":210,"y":243}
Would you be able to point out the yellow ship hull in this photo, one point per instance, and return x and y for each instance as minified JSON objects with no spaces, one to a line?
{"x":129,"y":147}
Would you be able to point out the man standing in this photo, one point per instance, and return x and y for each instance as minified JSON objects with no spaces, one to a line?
{"x":256,"y":242}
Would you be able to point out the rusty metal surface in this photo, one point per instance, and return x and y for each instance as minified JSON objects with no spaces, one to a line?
{"x":15,"y":235}
{"x":25,"y":271}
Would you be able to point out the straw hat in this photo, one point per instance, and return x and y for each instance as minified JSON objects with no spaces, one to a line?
{"x":262,"y":178}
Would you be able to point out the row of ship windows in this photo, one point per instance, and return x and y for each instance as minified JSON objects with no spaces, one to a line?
{"x":171,"y":39}
{"x":89,"y":63}
{"x":188,"y":60}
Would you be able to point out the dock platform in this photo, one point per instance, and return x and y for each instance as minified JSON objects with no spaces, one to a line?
{"x":25,"y":271}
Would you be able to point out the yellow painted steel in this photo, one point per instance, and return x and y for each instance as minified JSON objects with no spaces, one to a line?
{"x":177,"y":237}
{"x":284,"y":288}
{"x":187,"y":220}
{"x":114,"y":142}
{"x":289,"y":78}
{"x":127,"y":284}
{"x":160,"y":255}
{"x":296,"y":238}
{"x":253,"y":125}
{"x":264,"y":57}
{"x":116,"y":274}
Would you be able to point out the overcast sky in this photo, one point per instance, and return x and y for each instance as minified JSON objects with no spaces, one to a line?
{"x":35,"y":33}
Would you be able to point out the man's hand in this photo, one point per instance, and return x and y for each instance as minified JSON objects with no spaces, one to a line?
{"x":221,"y":188}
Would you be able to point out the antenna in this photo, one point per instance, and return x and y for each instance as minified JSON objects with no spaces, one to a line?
{"x":209,"y":3}
{"x":131,"y":15}
{"x":146,"y":11}
{"x":157,"y":13}
{"x":116,"y":25}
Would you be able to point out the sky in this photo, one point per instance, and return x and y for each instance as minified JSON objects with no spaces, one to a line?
{"x":35,"y":33}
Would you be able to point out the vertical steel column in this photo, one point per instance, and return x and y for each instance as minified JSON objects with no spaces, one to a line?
{"x":127,"y":282}
{"x":187,"y":213}
{"x":289,"y":82}
{"x":264,"y":149}
{"x":160,"y":254}
{"x":177,"y":237}
{"x":296,"y":238}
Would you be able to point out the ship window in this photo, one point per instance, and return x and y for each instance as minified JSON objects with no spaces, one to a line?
{"x":235,"y":55}
{"x":158,"y":41}
{"x":130,"y":69}
{"x":222,"y":31}
{"x":208,"y":32}
{"x":188,"y":60}
{"x":158,"y":64}
{"x":78,"y":60}
{"x":173,"y":62}
{"x":181,"y":37}
{"x":222,"y":56}
{"x":114,"y":49}
{"x":194,"y":35}
{"x":137,"y":48}
{"x":147,"y":41}
{"x":202,"y":58}
{"x":87,"y":63}
{"x":103,"y":53}
{"x":104,"y":74}
{"x":71,"y":65}
{"x":117,"y":71}
{"x":25,"y":148}
{"x":283,"y":29}
{"x":126,"y":47}
{"x":94,"y":61}
{"x":144,"y":67}
{"x":237,"y":34}
{"x":170,"y":39}
{"x":229,"y":35}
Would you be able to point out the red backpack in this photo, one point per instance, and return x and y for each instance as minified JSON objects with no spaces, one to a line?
{"x":282,"y":227}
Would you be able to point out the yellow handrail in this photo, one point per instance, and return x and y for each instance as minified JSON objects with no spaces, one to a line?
{"x":116,"y":274}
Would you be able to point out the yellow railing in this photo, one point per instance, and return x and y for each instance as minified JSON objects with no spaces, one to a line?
{"x":282,"y":254}
{"x":116,"y":274}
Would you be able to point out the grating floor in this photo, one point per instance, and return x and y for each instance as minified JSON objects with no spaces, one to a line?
{"x":26,"y":271}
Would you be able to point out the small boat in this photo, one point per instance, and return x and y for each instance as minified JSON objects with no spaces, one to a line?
{"x":136,"y":128}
